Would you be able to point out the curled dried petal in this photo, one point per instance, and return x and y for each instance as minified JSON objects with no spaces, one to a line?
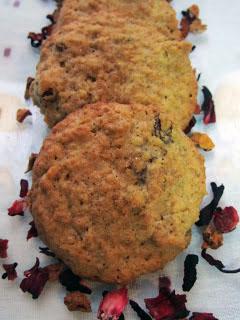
{"x":36,"y":39}
{"x":31,"y":161}
{"x":72,"y":282}
{"x":212,"y":237}
{"x":27,"y":90}
{"x":46,"y":251}
{"x":208,"y":107}
{"x":24,"y":188}
{"x":202,"y":140}
{"x":225,"y":220}
{"x":32,"y":232}
{"x":22,"y":114}
{"x":191,"y":124}
{"x":11,"y":272}
{"x":18,"y":207}
{"x":3,"y":248}
{"x":190,"y":272}
{"x":217,"y":263}
{"x":76,"y":301}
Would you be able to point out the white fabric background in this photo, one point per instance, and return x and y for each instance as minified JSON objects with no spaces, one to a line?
{"x":217,"y":57}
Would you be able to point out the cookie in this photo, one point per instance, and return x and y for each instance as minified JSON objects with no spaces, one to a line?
{"x":115,"y":51}
{"x":116,"y":190}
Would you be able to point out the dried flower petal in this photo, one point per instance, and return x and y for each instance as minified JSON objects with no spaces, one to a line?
{"x":46,"y":251}
{"x":113,"y":304}
{"x":18,"y":207}
{"x":167,"y":305}
{"x":72,"y":282}
{"x":22,"y":114}
{"x":24,"y":188}
{"x":16,"y":3}
{"x":143,"y":315}
{"x":28,"y":84}
{"x":31,"y":161}
{"x":32,"y":232}
{"x":191,"y":124}
{"x":190,"y":272}
{"x":197,"y":108}
{"x":36,"y":39}
{"x":217,"y":263}
{"x":202,"y":316}
{"x":76,"y":301}
{"x":207,"y":212}
{"x":202,"y":140}
{"x":7,"y":52}
{"x":212,"y":237}
{"x":35,"y":280}
{"x":191,"y":21}
{"x":208,"y":107}
{"x":54,"y":270}
{"x":225,"y":220}
{"x":11,"y":272}
{"x":3,"y":248}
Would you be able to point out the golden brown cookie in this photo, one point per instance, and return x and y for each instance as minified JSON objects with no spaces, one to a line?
{"x":116,"y":189}
{"x":115,"y":51}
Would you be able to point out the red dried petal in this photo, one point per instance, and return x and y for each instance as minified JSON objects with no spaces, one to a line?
{"x":191,"y":124}
{"x":18,"y":207}
{"x":35,"y":280}
{"x":32,"y":232}
{"x":190,"y":272}
{"x":202,"y":316}
{"x":27,"y":89}
{"x":3,"y":248}
{"x":208,"y":107}
{"x":113,"y":304}
{"x":11,"y":272}
{"x":7,"y":52}
{"x":225,"y":220}
{"x":184,"y":27}
{"x":24,"y":188}
{"x":22,"y":114}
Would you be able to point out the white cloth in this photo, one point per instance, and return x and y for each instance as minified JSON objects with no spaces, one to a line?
{"x":217,"y":56}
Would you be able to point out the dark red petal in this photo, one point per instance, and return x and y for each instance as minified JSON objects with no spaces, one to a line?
{"x":31,"y":161}
{"x":27,"y":89}
{"x":32,"y":232}
{"x":72,"y":282}
{"x":11,"y":272}
{"x":7,"y":52}
{"x":208,"y":107}
{"x":217,"y":263}
{"x":35,"y":280}
{"x":3,"y":248}
{"x":24,"y":188}
{"x":36,"y":39}
{"x":225,"y":220}
{"x":17,"y":208}
{"x":113,"y":304}
{"x":206,"y":213}
{"x":191,"y":124}
{"x":46,"y":251}
{"x":190,"y":272}
{"x":202,"y":316}
{"x":142,"y":315}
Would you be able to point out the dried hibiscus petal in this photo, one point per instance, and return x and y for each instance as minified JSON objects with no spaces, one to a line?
{"x":72,"y":282}
{"x":191,"y":124}
{"x":3,"y":248}
{"x":143,"y":315}
{"x":212,"y":238}
{"x":225,"y":220}
{"x":76,"y":301}
{"x":32,"y":232}
{"x":208,"y":107}
{"x":167,"y":305}
{"x":31,"y":161}
{"x":24,"y":188}
{"x":217,"y":263}
{"x":18,"y":207}
{"x":202,"y":140}
{"x":35,"y":280}
{"x":46,"y":251}
{"x":22,"y":114}
{"x":113,"y":304}
{"x":202,"y":316}
{"x":190,"y":272}
{"x":36,"y":39}
{"x":207,"y":212}
{"x":27,"y":90}
{"x":11,"y":272}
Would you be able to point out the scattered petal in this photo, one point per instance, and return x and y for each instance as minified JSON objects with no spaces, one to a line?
{"x":22,"y":114}
{"x":142,"y":315}
{"x":167,"y":305}
{"x":11,"y":272}
{"x":18,"y":207}
{"x":28,"y":84}
{"x":198,"y":78}
{"x":46,"y":251}
{"x":35,"y":280}
{"x":32,"y":232}
{"x":212,"y":237}
{"x":217,"y":263}
{"x":202,"y":140}
{"x":208,"y":107}
{"x":7,"y":52}
{"x":191,"y":124}
{"x":190,"y":272}
{"x":207,"y":212}
{"x":191,"y":22}
{"x":54,"y":270}
{"x":72,"y":282}
{"x":31,"y":161}
{"x":76,"y":301}
{"x":3,"y":248}
{"x":113,"y":304}
{"x":24,"y":188}
{"x":225,"y":220}
{"x":36,"y":39}
{"x":202,"y":316}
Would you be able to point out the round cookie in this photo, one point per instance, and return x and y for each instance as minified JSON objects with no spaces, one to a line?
{"x":116,"y":189}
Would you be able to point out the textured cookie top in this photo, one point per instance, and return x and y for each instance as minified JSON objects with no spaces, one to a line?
{"x":116,"y":189}
{"x":115,"y":51}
